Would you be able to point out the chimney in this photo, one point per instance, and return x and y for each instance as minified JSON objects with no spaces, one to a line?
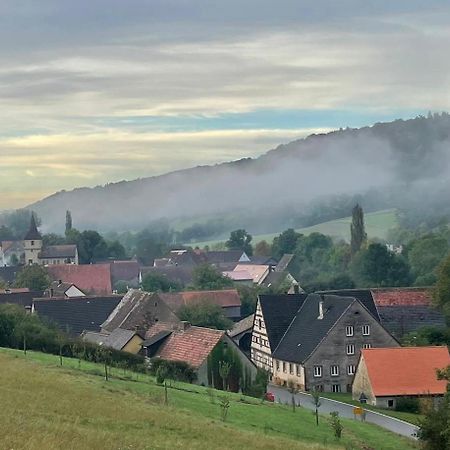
{"x":184,"y":325}
{"x":320,"y":310}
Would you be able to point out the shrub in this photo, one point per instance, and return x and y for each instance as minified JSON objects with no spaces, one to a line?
{"x":173,"y":370}
{"x":408,"y":404}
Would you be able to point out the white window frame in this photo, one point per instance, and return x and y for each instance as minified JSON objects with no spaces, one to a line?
{"x":334,"y":370}
{"x":317,"y":371}
{"x":349,"y":330}
{"x":336,"y":388}
{"x":364,"y":329}
{"x":351,"y":369}
{"x":291,"y":369}
{"x":284,"y":367}
{"x":350,"y":349}
{"x":298,"y":370}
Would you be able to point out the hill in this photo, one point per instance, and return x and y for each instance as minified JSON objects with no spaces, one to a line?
{"x":377,"y":226}
{"x":55,"y":407}
{"x":401,"y":164}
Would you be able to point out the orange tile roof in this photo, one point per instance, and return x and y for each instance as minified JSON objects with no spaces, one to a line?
{"x":406,"y":370}
{"x":90,"y":278}
{"x":402,"y":297}
{"x":191,"y":346}
{"x":223,"y":298}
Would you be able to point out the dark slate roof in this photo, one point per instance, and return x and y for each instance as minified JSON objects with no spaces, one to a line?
{"x":264,"y":260}
{"x":278,"y":312}
{"x":401,"y":320}
{"x":116,"y":340}
{"x":243,"y":326}
{"x":156,"y":338}
{"x":224,"y":256}
{"x":33,"y":233}
{"x":77,"y":314}
{"x":181,"y":274}
{"x":59,"y":251}
{"x":275,"y":278}
{"x":9,"y":274}
{"x":20,"y":298}
{"x":284,"y":262}
{"x":363,"y":295}
{"x":307,"y":331}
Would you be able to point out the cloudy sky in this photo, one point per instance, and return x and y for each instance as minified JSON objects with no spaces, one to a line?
{"x":104,"y":90}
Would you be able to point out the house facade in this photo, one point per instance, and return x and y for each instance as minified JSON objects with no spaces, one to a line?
{"x":321,"y":346}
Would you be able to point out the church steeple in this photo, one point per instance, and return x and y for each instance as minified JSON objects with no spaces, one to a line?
{"x":33,"y":233}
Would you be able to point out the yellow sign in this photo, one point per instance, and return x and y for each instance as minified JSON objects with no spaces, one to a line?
{"x":357,"y":411}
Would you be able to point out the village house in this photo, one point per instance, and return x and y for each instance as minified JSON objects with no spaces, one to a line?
{"x":385,"y":375}
{"x":241,"y":333}
{"x":123,"y":340}
{"x":321,"y":346}
{"x":62,"y":289}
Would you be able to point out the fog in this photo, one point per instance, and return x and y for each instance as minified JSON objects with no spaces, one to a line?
{"x":399,"y":161}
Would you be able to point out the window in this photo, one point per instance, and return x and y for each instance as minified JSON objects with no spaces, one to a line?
{"x":367,"y":345}
{"x":298,"y":370}
{"x":259,"y":323}
{"x":317,"y":371}
{"x":335,"y":388}
{"x":366,"y":330}
{"x":334,"y":371}
{"x":284,"y":367}
{"x":32,"y":242}
{"x":390,"y":403}
{"x":351,"y":369}
{"x":278,"y":365}
{"x":350,"y":349}
{"x":349,"y":330}
{"x":291,"y":369}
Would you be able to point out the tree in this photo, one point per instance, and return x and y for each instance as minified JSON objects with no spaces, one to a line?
{"x":116,"y":250}
{"x":33,"y":277}
{"x":357,"y":229}
{"x":377,"y":266}
{"x":262,"y":248}
{"x":442,"y":290}
{"x":315,"y":398}
{"x":205,"y":314}
{"x":68,"y":221}
{"x":286,"y":242}
{"x":240,"y":240}
{"x":224,"y":372}
{"x":52,"y":239}
{"x":158,"y":282}
{"x":206,"y":277}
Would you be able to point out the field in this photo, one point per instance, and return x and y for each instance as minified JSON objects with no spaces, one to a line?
{"x":377,"y":226}
{"x":47,"y":406}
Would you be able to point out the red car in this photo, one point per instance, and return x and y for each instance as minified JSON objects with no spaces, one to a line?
{"x":269,"y":397}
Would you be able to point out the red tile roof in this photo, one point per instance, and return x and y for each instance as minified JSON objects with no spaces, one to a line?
{"x":406,"y":370}
{"x":224,"y":298}
{"x":402,"y":297}
{"x":90,"y":278}
{"x":191,"y":346}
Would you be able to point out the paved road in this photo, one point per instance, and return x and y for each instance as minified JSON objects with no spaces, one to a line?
{"x":345,"y":410}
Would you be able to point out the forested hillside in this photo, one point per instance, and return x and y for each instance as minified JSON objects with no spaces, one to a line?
{"x":402,"y":164}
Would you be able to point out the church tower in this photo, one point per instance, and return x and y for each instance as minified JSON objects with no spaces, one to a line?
{"x":32,"y":243}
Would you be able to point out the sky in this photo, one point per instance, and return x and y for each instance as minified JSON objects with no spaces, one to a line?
{"x":100,"y":91}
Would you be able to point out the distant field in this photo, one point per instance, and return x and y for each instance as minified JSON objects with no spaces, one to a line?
{"x":377,"y":225}
{"x":72,"y":408}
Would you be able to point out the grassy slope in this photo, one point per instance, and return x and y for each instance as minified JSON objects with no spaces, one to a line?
{"x":347,"y":398}
{"x":56,"y":407}
{"x":377,"y":225}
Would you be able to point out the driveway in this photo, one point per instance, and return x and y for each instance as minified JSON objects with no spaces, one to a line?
{"x":345,"y":410}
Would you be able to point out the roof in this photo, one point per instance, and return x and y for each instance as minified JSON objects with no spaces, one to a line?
{"x":77,"y":314}
{"x":306,"y":331}
{"x":257,"y":272}
{"x":139,"y":309}
{"x":117,"y":340}
{"x":32,"y":233}
{"x":90,"y":278}
{"x":402,"y":296}
{"x":267,"y":260}
{"x":238,"y":275}
{"x":59,"y":288}
{"x":224,"y":298}
{"x":9,"y":274}
{"x":12,"y":246}
{"x":365,"y":296}
{"x":278,"y":312}
{"x":406,"y":370}
{"x":19,"y":298}
{"x":156,"y":337}
{"x":242,"y":326}
{"x":124,"y":270}
{"x":275,"y":278}
{"x":192,"y":345}
{"x":225,"y":256}
{"x":181,"y":274}
{"x":59,"y":251}
{"x":284,"y":262}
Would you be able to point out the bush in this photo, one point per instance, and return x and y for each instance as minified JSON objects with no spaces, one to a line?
{"x":407,"y":404}
{"x":173,"y":370}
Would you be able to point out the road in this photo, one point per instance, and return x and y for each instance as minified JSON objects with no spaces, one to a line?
{"x":345,"y":410}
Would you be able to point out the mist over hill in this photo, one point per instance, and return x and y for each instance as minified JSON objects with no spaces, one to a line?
{"x":402,"y":164}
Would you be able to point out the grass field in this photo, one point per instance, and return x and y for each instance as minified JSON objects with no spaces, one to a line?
{"x":46,"y":406}
{"x":377,"y":226}
{"x":347,"y":398}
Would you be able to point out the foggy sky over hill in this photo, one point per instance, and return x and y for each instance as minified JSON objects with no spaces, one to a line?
{"x":400,"y":160}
